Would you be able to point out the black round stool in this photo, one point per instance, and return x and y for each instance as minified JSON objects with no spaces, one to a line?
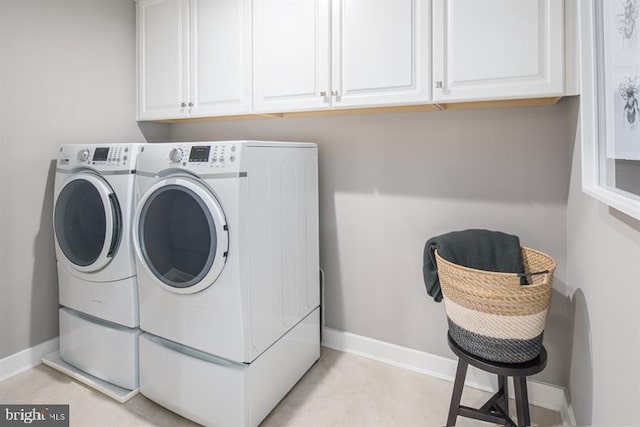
{"x":496,"y":410}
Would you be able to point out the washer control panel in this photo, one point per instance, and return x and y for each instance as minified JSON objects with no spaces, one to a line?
{"x":104,"y":157}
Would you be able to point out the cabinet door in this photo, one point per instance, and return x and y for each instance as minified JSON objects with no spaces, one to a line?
{"x":380,"y":52}
{"x":162,"y":58}
{"x":220,"y":60}
{"x":497,"y":49}
{"x":291,"y":55}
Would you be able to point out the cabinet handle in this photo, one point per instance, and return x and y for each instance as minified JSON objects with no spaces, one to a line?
{"x":440,"y":85}
{"x":323,"y":93}
{"x":191,"y":104}
{"x":183,"y":104}
{"x":334,"y":92}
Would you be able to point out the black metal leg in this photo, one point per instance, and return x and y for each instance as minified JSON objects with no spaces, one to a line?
{"x":522,"y":401}
{"x":503,"y":384}
{"x":456,"y":396}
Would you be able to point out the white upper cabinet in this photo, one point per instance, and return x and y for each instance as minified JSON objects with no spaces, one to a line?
{"x":162,"y":55}
{"x":380,"y":52}
{"x":194,"y":58}
{"x":220,"y":57}
{"x":313,"y":54}
{"x":497,"y":49}
{"x":291,"y":54}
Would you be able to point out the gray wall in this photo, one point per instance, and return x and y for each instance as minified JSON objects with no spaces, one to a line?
{"x":67,"y":75}
{"x":603,"y":269}
{"x":390,"y":181}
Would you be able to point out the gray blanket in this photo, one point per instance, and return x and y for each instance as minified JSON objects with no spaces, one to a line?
{"x":479,"y":249}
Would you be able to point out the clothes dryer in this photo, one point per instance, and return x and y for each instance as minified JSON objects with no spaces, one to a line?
{"x":93,"y":207}
{"x":226,"y":238}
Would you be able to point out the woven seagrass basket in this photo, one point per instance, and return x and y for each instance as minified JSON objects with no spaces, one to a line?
{"x":491,"y":315}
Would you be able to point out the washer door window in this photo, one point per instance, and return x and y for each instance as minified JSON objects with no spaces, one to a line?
{"x":181,"y":235}
{"x":87,"y":222}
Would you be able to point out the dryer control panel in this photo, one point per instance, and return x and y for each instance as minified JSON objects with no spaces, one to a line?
{"x":215,"y":157}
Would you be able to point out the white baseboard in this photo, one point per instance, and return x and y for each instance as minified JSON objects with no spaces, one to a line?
{"x":540,"y":394}
{"x":26,"y":359}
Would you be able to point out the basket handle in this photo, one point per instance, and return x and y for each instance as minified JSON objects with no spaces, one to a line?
{"x":528,"y":275}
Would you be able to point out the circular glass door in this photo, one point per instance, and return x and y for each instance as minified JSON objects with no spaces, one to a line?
{"x":181,"y":235}
{"x":86,"y":222}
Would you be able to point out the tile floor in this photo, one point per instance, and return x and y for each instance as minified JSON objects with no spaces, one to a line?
{"x":340,"y":390}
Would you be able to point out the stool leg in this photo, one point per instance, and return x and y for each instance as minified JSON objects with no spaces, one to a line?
{"x":458,"y":385}
{"x":522,"y":401}
{"x":503,"y":384}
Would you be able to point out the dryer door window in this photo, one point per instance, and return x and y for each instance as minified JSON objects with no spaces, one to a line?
{"x":87,"y":222}
{"x":180,"y":236}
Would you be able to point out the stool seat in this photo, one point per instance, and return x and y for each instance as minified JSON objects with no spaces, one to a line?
{"x":496,"y":409}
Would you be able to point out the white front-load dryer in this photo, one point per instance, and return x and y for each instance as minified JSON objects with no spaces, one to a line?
{"x":99,"y":318}
{"x":226,"y":241}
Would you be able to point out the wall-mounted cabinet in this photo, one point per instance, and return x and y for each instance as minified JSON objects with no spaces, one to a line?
{"x":318,"y":54}
{"x":194,"y":58}
{"x":291,"y":55}
{"x":205,"y":58}
{"x":488,"y":49}
{"x":380,"y":52}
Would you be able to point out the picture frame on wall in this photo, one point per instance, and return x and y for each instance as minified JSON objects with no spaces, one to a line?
{"x":610,"y":102}
{"x":621,"y":68}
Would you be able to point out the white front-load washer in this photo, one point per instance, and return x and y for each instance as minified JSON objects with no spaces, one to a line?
{"x":226,"y":238}
{"x":93,"y":207}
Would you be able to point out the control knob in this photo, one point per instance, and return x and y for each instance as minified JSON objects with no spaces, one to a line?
{"x":176,"y":155}
{"x":83,"y":155}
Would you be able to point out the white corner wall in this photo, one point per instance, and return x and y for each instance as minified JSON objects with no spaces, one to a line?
{"x":67,"y":75}
{"x":603,"y":272}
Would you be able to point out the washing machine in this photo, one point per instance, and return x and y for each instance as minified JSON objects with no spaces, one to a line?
{"x":93,"y":207}
{"x":226,"y":241}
